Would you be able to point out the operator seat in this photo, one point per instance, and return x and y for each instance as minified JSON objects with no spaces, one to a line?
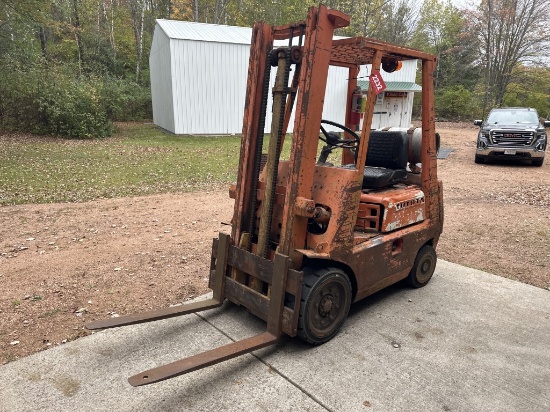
{"x":387,"y":159}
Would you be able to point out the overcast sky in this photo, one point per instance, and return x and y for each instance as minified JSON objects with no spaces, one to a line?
{"x":465,"y":3}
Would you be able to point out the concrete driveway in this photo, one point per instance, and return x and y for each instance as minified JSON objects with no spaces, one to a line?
{"x":469,"y":341}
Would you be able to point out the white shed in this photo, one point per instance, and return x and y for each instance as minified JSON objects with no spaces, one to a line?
{"x":199,"y":73}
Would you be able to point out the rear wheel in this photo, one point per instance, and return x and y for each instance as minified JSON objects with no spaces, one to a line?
{"x":326,"y":298}
{"x":537,"y":162}
{"x":423,"y":267}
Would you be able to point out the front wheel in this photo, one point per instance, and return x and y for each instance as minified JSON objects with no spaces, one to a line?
{"x":537,"y":162}
{"x":479,"y":159}
{"x":423,"y":267}
{"x":325,"y":303}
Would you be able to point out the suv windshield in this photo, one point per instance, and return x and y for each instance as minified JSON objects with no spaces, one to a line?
{"x":512,"y":116}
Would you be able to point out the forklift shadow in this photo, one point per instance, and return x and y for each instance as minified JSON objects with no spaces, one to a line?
{"x":372,"y":300}
{"x":163,"y":331}
{"x":205,"y":384}
{"x":296,"y":346}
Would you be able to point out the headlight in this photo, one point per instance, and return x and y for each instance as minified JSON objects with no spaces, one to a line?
{"x":481,"y":143}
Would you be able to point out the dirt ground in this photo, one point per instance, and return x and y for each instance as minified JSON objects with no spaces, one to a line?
{"x":62,"y":265}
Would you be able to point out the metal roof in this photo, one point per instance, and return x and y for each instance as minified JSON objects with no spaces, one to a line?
{"x":393,"y":86}
{"x":190,"y":30}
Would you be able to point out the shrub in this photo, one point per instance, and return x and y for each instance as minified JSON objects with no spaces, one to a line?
{"x":455,"y":102}
{"x":126,"y":100}
{"x":49,"y":98}
{"x":73,"y":108}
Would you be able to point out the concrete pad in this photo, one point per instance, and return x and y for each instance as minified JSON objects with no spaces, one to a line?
{"x":90,"y":374}
{"x":444,"y":152}
{"x":469,"y":341}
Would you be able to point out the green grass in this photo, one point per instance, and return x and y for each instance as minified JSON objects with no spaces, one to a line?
{"x":140,"y":159}
{"x":50,"y":313}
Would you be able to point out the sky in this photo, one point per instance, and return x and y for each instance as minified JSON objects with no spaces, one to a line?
{"x":465,"y":3}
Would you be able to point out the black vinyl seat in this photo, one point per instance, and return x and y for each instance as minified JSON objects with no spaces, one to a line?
{"x":387,"y":158}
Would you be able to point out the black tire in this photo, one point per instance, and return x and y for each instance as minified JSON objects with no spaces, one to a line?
{"x":537,"y":162}
{"x":324,"y":306}
{"x":423,"y":267}
{"x":479,"y":159}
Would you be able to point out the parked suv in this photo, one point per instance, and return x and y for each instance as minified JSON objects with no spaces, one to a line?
{"x":512,"y":132}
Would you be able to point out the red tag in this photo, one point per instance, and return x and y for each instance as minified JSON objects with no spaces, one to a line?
{"x":377,"y":82}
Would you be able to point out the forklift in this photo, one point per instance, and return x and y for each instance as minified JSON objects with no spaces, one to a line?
{"x":310,"y":237}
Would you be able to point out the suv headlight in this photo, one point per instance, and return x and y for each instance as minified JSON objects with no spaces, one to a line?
{"x":482,"y":140}
{"x":481,"y":143}
{"x":540,"y":143}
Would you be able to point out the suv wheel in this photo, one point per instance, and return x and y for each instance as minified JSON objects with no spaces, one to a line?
{"x":479,"y":159}
{"x":537,"y":162}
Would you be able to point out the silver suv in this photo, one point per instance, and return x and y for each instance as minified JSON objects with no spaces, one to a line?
{"x":512,"y":132}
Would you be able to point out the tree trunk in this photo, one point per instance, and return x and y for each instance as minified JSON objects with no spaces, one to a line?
{"x":112,"y":29}
{"x":137,"y":9}
{"x":488,"y":38}
{"x":42,"y":35}
{"x":78,"y":38}
{"x":140,"y":45}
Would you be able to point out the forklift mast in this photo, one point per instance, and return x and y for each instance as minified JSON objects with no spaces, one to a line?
{"x":309,"y":238}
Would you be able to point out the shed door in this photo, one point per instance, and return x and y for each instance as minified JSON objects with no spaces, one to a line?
{"x":396,"y":110}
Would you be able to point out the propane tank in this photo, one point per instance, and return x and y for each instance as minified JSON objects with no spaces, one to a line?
{"x":415,"y":141}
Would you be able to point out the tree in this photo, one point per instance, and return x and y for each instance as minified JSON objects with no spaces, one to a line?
{"x":509,"y":32}
{"x":137,"y":11}
{"x":398,"y":24}
{"x":532,"y":90}
{"x":442,"y":31}
{"x":21,"y":23}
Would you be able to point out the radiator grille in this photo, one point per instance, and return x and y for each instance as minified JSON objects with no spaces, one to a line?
{"x":512,"y":138}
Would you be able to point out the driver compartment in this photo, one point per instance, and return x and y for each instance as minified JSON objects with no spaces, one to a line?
{"x":390,"y":197}
{"x":381,"y":210}
{"x":387,"y":157}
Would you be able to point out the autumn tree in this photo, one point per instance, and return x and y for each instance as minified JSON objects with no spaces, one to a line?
{"x":441,"y":30}
{"x":398,"y":23}
{"x":509,"y":32}
{"x":530,"y":87}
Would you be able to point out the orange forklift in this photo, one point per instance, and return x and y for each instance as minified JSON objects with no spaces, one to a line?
{"x":310,"y":237}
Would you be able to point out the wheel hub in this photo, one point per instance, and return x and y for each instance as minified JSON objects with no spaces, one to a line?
{"x":326,"y":304}
{"x":426,"y":266}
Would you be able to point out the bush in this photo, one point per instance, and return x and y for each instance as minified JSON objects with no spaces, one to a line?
{"x":517,"y":96}
{"x":455,"y":103}
{"x":48,"y":98}
{"x":126,"y":100}
{"x":74,"y":109}
{"x":17,"y":106}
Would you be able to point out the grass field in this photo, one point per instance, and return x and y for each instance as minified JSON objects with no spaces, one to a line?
{"x":139,"y":159}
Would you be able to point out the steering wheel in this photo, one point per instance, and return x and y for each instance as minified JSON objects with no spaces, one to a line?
{"x":333,"y":140}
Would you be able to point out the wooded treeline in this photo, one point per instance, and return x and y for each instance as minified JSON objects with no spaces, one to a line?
{"x":71,"y":67}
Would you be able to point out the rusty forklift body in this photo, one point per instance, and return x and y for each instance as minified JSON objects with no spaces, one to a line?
{"x":309,"y":238}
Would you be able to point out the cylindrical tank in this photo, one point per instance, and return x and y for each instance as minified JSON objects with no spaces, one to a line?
{"x":415,"y":141}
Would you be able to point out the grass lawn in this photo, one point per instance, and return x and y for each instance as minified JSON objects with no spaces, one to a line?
{"x":139,"y":159}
